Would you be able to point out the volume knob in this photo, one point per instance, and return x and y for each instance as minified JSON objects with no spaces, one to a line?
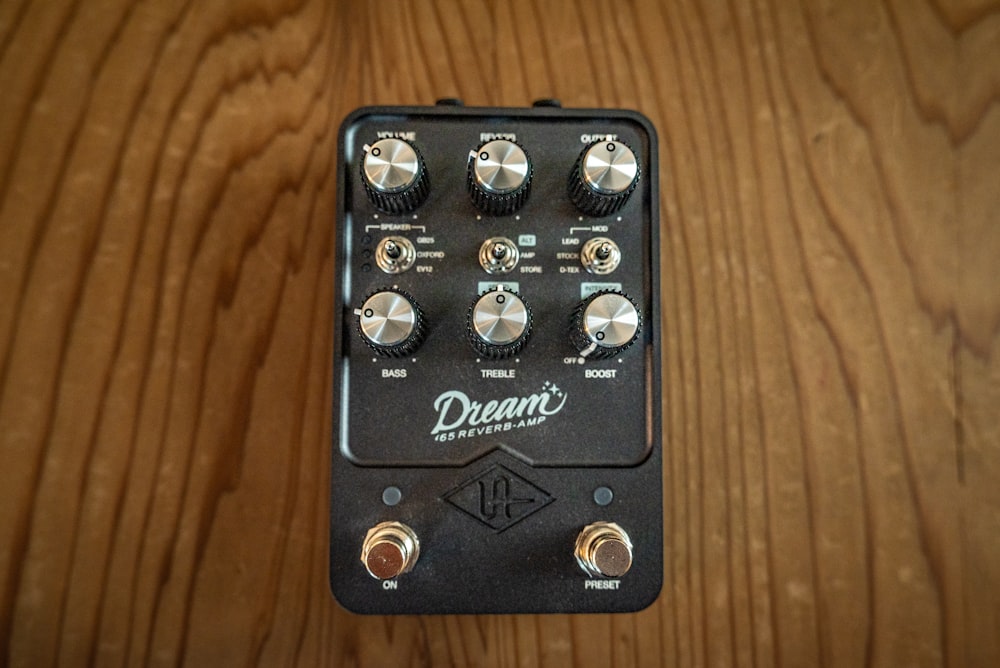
{"x":603,"y":178}
{"x":394,"y":175}
{"x":499,"y":177}
{"x":605,"y":324}
{"x":391,"y":323}
{"x":499,"y":323}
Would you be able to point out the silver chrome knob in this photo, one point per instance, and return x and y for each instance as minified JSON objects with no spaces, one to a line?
{"x":389,"y":550}
{"x":600,"y":255}
{"x":605,"y":324}
{"x":603,"y":178}
{"x":499,"y":177}
{"x":391,"y":323}
{"x":603,"y":549}
{"x":499,"y":323}
{"x":394,"y":175}
{"x":498,"y":255}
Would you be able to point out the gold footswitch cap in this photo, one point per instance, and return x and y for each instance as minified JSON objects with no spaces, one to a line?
{"x":603,"y":549}
{"x":390,"y":549}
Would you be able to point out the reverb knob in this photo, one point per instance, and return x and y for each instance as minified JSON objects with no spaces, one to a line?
{"x":603,"y":178}
{"x":605,"y":324}
{"x":499,"y":177}
{"x":499,"y":323}
{"x":391,"y":322}
{"x":394,"y":175}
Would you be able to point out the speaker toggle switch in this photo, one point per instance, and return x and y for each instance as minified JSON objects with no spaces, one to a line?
{"x":390,"y":549}
{"x":498,"y":255}
{"x":394,"y":255}
{"x":604,"y":550}
{"x":600,"y":255}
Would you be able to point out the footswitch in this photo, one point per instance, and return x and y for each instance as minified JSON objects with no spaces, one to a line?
{"x":496,"y":380}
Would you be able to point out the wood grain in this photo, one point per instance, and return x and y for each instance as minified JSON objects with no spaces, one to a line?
{"x":831,"y":183}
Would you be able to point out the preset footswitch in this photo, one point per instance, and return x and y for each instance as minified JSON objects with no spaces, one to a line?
{"x":603,"y":549}
{"x":496,"y":362}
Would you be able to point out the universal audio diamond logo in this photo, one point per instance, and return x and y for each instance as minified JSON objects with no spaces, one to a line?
{"x":498,"y":497}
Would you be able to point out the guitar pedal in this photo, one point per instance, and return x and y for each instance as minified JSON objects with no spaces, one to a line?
{"x":496,"y":378}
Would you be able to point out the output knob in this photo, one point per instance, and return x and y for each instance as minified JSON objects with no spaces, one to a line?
{"x":394,"y":175}
{"x":499,"y":177}
{"x":605,"y":324}
{"x":391,"y":323}
{"x":603,"y":178}
{"x":499,"y":323}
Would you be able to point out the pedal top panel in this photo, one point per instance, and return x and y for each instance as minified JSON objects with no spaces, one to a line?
{"x":497,"y":362}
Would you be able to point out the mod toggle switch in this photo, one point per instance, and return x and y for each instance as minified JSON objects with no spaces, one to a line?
{"x":603,"y":549}
{"x":394,"y":175}
{"x":603,"y":178}
{"x":600,"y":256}
{"x":604,"y":324}
{"x":499,"y":323}
{"x":389,"y":550}
{"x":499,"y":177}
{"x":391,"y":322}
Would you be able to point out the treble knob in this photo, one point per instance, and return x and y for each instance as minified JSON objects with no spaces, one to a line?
{"x":499,"y":323}
{"x":394,"y":175}
{"x":499,"y":177}
{"x":603,"y":178}
{"x":391,"y":322}
{"x":605,"y":324}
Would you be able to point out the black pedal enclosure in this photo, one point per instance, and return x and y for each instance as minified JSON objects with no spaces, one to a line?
{"x":607,"y":433}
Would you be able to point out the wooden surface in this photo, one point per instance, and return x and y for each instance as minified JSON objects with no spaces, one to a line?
{"x":831,"y":244}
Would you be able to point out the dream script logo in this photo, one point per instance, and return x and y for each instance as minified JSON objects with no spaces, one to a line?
{"x":459,"y":416}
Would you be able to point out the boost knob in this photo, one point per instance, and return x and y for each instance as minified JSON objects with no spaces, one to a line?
{"x":499,"y":323}
{"x":391,"y":323}
{"x":499,"y":177}
{"x":394,"y":175}
{"x":604,"y":324}
{"x":603,"y":178}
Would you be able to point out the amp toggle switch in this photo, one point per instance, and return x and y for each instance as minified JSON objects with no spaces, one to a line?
{"x":499,"y":323}
{"x":391,"y":322}
{"x":498,"y":255}
{"x":604,"y":324}
{"x":389,"y":550}
{"x":603,"y":549}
